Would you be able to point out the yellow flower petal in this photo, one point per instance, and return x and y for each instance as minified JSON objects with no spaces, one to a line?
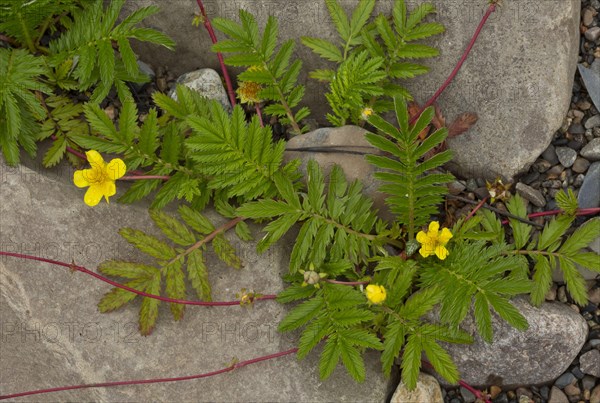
{"x":376,"y":294}
{"x":445,"y":236}
{"x":422,"y":237}
{"x":441,"y":252}
{"x":80,"y":178}
{"x":116,"y":169}
{"x":93,"y":195}
{"x":108,"y":189}
{"x":95,"y":159}
{"x":434,"y":227}
{"x":427,"y":249}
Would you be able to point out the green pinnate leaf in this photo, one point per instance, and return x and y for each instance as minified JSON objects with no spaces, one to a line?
{"x":441,"y":361}
{"x":352,"y":360}
{"x":198,"y":275}
{"x":567,"y":201}
{"x":196,"y":220}
{"x":411,"y":361}
{"x":417,"y":51}
{"x":553,"y":231}
{"x":329,"y":357}
{"x":312,"y":335}
{"x":269,"y":40}
{"x":55,"y":153}
{"x":418,"y":14}
{"x":425,"y":31}
{"x":139,"y":190}
{"x":148,"y":244}
{"x":131,"y":270}
{"x":100,"y":121}
{"x":323,"y":48}
{"x":339,"y":18}
{"x":521,"y":231}
{"x":295,"y":292}
{"x":392,"y":344}
{"x":399,"y":14}
{"x":542,"y":280}
{"x":582,"y":237}
{"x":483,"y":318}
{"x":242,"y":230}
{"x":508,"y":312}
{"x":589,"y":260}
{"x":175,"y":287}
{"x":226,"y":252}
{"x":118,"y":297}
{"x":276,"y":229}
{"x":575,"y":281}
{"x":172,"y":228}
{"x":266,"y":208}
{"x":361,"y":337}
{"x":149,"y":308}
{"x":352,"y":317}
{"x":301,"y":314}
{"x":360,"y":16}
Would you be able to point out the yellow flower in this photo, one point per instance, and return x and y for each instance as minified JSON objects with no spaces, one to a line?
{"x":100,"y":177}
{"x":434,"y":241}
{"x":365,"y":113}
{"x":375,"y":293}
{"x":248,"y":92}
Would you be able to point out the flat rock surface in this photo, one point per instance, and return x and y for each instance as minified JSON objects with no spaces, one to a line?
{"x":538,"y":355}
{"x":53,"y":334}
{"x":517,"y":79}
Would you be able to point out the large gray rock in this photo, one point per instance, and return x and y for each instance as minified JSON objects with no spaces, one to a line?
{"x":517,"y":79}
{"x":538,"y":355}
{"x":53,"y":335}
{"x":589,"y":193}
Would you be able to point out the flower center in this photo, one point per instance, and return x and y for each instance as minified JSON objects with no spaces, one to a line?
{"x":97,"y":175}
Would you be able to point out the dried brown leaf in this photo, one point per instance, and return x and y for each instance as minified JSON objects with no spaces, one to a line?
{"x":461,"y":124}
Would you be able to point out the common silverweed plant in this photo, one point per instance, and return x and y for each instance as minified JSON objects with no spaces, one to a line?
{"x":357,"y":282}
{"x":39,"y":78}
{"x":372,"y":57}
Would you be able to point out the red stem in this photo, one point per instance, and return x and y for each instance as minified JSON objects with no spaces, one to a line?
{"x":351,"y":283}
{"x":157,"y":380}
{"x":82,"y":269}
{"x":480,"y":396}
{"x":580,"y":212}
{"x":472,"y":213}
{"x":462,"y":60}
{"x":137,"y":177}
{"x":76,"y":153}
{"x":72,"y":151}
{"x":213,"y":38}
{"x":259,"y":113}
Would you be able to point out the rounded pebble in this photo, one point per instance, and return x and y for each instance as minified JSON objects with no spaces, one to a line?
{"x":580,"y":165}
{"x":567,"y":156}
